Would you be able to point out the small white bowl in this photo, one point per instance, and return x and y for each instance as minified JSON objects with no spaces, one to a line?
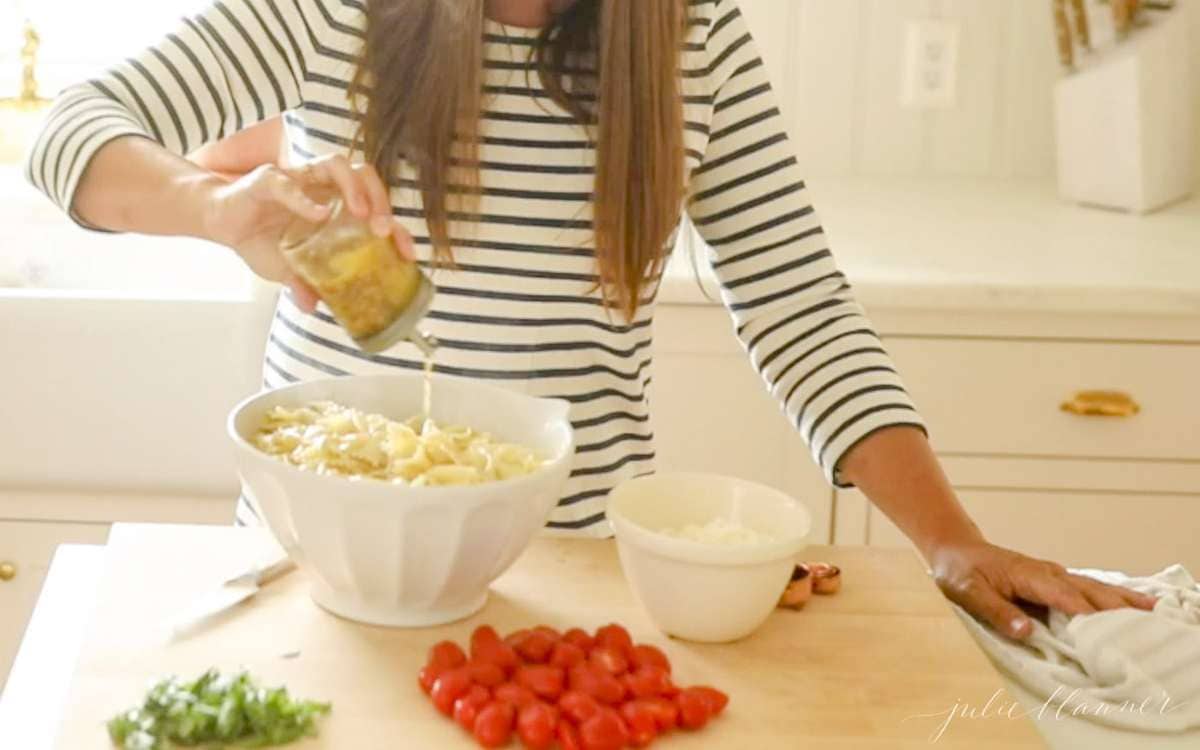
{"x":390,"y":554}
{"x":701,"y":591}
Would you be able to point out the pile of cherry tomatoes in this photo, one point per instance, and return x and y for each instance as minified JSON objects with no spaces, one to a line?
{"x":585,"y":692}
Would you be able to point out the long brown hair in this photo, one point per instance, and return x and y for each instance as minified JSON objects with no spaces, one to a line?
{"x":613,"y":64}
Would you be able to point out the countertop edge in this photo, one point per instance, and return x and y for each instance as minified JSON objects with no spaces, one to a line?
{"x":685,"y":291}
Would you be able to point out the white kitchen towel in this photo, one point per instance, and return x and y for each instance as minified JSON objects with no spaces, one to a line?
{"x":1124,"y":668}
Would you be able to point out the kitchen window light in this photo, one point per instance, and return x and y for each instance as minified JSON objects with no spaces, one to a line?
{"x":43,"y":249}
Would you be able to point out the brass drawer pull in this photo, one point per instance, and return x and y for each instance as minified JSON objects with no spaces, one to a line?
{"x":8,"y":571}
{"x":1101,"y":404}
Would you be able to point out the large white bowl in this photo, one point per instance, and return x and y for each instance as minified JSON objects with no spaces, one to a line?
{"x":702,"y":591}
{"x":390,"y":554}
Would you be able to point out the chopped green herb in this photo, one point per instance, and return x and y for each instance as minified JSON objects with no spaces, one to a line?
{"x":215,"y":710}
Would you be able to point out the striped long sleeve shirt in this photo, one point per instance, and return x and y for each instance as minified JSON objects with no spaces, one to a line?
{"x":521,"y":308}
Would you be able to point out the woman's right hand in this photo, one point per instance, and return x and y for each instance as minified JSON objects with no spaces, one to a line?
{"x":251,"y":213}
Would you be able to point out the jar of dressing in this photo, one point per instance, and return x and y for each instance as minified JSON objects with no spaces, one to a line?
{"x":378,"y":296}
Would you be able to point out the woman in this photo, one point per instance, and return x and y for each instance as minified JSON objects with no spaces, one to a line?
{"x":546,"y":205}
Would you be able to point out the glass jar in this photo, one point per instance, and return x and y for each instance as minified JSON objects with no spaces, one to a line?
{"x":378,"y":296}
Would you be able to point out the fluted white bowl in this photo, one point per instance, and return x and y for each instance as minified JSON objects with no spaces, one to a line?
{"x":697,"y":590}
{"x":389,"y":554}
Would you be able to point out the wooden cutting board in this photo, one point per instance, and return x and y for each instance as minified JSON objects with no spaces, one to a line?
{"x":880,"y":665}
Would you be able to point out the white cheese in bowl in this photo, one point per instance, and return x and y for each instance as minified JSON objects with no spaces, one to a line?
{"x":720,"y":531}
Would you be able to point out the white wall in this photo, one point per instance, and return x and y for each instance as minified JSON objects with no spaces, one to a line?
{"x":837,"y":66}
{"x":1194,"y":10}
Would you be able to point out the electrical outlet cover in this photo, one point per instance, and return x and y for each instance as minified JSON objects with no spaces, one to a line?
{"x":930,"y":67}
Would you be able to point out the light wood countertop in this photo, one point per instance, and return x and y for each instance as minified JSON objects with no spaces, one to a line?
{"x":877,"y":666}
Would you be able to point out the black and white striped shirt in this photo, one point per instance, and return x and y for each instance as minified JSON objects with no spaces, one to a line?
{"x":520,"y":309}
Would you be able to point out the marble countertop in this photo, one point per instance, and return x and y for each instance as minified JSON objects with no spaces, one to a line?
{"x":1006,"y":245}
{"x":928,"y":244}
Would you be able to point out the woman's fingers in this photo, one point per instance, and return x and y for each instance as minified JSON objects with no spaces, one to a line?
{"x":1105,"y":596}
{"x":289,"y":194}
{"x":336,"y":170}
{"x":984,"y":601}
{"x":1138,"y":600}
{"x":377,"y":197}
{"x":1102,"y":599}
{"x":365,"y":192}
{"x":403,"y":241}
{"x":302,"y":294}
{"x":1080,"y":595}
{"x":1047,"y":586}
{"x":986,"y":581}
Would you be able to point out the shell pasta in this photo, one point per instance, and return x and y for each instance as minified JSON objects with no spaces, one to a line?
{"x":328,"y":438}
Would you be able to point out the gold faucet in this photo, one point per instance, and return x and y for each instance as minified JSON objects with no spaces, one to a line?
{"x":28,"y":98}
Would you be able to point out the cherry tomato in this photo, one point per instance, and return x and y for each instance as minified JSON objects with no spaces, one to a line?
{"x":665,"y":712}
{"x":580,"y":638}
{"x":604,"y":731}
{"x":428,"y":675}
{"x":616,"y":637}
{"x":648,"y":682}
{"x":694,"y":708}
{"x":544,"y":680}
{"x":517,"y":636}
{"x":645,"y":655}
{"x":483,"y":634}
{"x":517,"y":695}
{"x":536,"y":646}
{"x":496,"y":652}
{"x":597,"y":683}
{"x":609,"y":659}
{"x":639,"y":717}
{"x":584,"y":692}
{"x":494,"y":725}
{"x":670,"y":690}
{"x":449,"y":687}
{"x":447,"y":655}
{"x":566,"y":655}
{"x":535,"y":726}
{"x":485,"y":673}
{"x":567,"y":736}
{"x":467,"y":708}
{"x":715,"y":698}
{"x":577,"y":706}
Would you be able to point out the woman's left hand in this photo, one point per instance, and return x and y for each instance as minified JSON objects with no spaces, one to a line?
{"x":987,"y":581}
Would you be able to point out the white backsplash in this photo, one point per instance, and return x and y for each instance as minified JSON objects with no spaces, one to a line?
{"x":837,"y":67}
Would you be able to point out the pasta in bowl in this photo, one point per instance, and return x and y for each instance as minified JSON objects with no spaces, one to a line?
{"x":329,"y":438}
{"x":392,"y":520}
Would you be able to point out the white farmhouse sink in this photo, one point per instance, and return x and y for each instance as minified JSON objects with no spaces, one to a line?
{"x":122,"y":354}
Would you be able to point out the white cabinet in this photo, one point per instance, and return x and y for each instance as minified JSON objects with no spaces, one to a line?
{"x":1002,"y":396}
{"x":1085,"y":491}
{"x":34,"y":524}
{"x":1140,"y":533}
{"x":26,"y":549}
{"x":712,"y":412}
{"x":1120,"y":492}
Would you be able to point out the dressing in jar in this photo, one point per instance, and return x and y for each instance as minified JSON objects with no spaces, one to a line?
{"x":378,"y":296}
